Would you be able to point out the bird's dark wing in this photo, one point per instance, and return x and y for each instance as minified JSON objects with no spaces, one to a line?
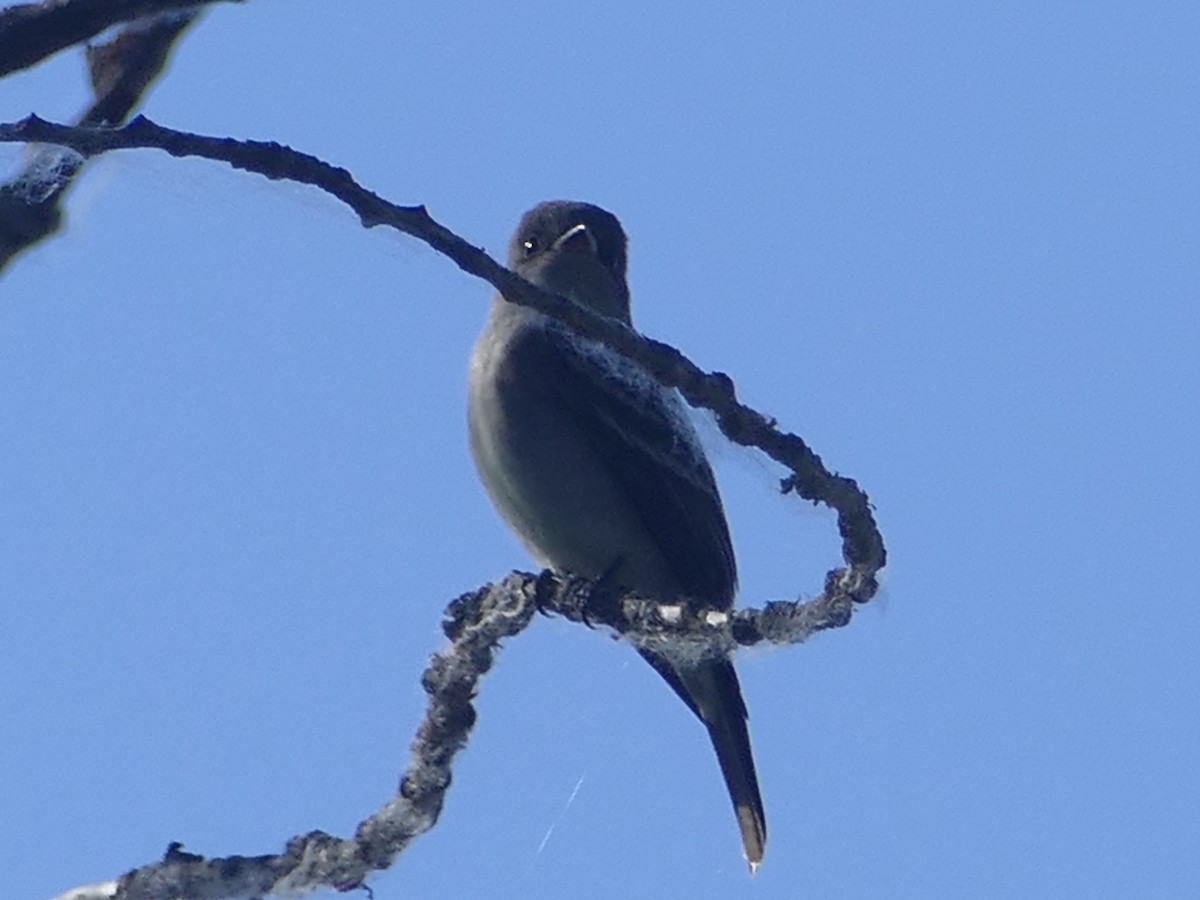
{"x":649,"y":449}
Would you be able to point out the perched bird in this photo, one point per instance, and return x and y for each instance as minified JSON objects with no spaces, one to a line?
{"x":597,"y":469}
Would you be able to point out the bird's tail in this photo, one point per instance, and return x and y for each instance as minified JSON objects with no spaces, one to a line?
{"x":717,"y":699}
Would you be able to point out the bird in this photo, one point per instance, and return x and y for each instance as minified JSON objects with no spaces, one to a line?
{"x":596,"y":468}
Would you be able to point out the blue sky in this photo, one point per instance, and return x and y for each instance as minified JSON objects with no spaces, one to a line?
{"x":954,"y":248}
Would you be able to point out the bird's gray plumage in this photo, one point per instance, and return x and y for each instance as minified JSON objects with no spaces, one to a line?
{"x":595,"y":467}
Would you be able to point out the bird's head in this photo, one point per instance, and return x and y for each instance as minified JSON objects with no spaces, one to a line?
{"x":577,"y":250}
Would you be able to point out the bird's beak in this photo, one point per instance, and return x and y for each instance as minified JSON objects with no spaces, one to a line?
{"x":579,"y":238}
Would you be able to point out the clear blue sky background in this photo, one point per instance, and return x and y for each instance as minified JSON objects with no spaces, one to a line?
{"x":957,"y":249}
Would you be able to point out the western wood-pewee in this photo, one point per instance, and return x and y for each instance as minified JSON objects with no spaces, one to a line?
{"x":597,"y":469}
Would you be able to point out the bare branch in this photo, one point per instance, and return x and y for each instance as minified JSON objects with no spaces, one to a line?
{"x":862,"y":545}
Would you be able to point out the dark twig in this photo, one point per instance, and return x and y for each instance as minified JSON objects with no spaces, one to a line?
{"x":30,"y":32}
{"x":121,"y":71}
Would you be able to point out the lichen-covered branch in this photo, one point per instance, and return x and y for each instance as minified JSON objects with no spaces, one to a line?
{"x":475,"y":624}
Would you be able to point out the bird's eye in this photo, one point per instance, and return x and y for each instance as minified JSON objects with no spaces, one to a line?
{"x":529,"y":247}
